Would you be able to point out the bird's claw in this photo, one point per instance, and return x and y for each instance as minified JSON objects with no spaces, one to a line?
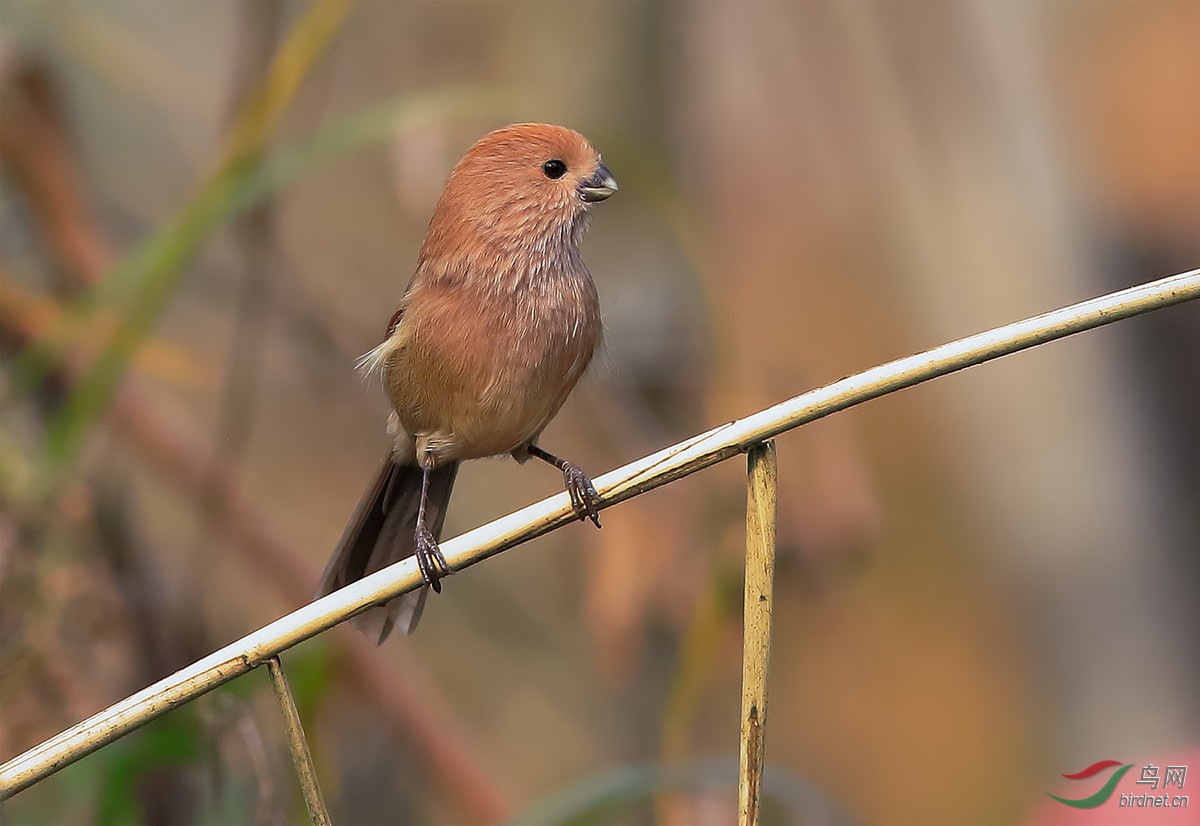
{"x":430,"y":560}
{"x":584,"y":499}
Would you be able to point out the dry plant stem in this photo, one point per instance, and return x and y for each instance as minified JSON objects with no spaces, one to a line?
{"x":298,"y":743}
{"x":645,"y":474}
{"x":756,"y":635}
{"x":34,"y":147}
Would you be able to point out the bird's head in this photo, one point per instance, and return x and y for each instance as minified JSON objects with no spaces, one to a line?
{"x":526,"y":186}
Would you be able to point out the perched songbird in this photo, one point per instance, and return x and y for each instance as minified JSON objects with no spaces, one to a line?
{"x":498,"y":323}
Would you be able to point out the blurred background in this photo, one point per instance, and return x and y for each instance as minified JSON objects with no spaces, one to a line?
{"x":209,"y":210}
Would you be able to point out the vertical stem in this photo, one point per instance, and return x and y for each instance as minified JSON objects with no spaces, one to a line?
{"x":756,"y":640}
{"x":298,"y":744}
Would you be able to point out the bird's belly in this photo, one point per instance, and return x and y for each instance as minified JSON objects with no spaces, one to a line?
{"x":490,"y":385}
{"x":528,"y":385}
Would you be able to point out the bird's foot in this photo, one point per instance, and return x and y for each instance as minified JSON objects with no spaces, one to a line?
{"x":584,"y":499}
{"x":430,"y":560}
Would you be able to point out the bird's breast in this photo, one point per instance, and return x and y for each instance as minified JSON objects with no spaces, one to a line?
{"x":481,"y":367}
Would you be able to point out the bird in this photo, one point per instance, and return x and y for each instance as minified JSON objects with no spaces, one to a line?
{"x":500,"y":320}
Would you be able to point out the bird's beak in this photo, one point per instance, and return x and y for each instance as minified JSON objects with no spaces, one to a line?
{"x":599,"y":186}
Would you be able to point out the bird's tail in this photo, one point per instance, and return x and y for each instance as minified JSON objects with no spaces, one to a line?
{"x":381,"y":532}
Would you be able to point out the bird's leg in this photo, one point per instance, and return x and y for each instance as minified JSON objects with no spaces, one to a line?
{"x":584,"y":499}
{"x":429,"y":556}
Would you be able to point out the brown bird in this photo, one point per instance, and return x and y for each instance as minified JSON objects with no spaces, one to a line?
{"x":499,"y":322}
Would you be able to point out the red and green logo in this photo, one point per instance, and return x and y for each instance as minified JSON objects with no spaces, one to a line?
{"x":1105,"y":792}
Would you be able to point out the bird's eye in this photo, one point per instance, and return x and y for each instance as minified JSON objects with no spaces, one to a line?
{"x":554,"y":169}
